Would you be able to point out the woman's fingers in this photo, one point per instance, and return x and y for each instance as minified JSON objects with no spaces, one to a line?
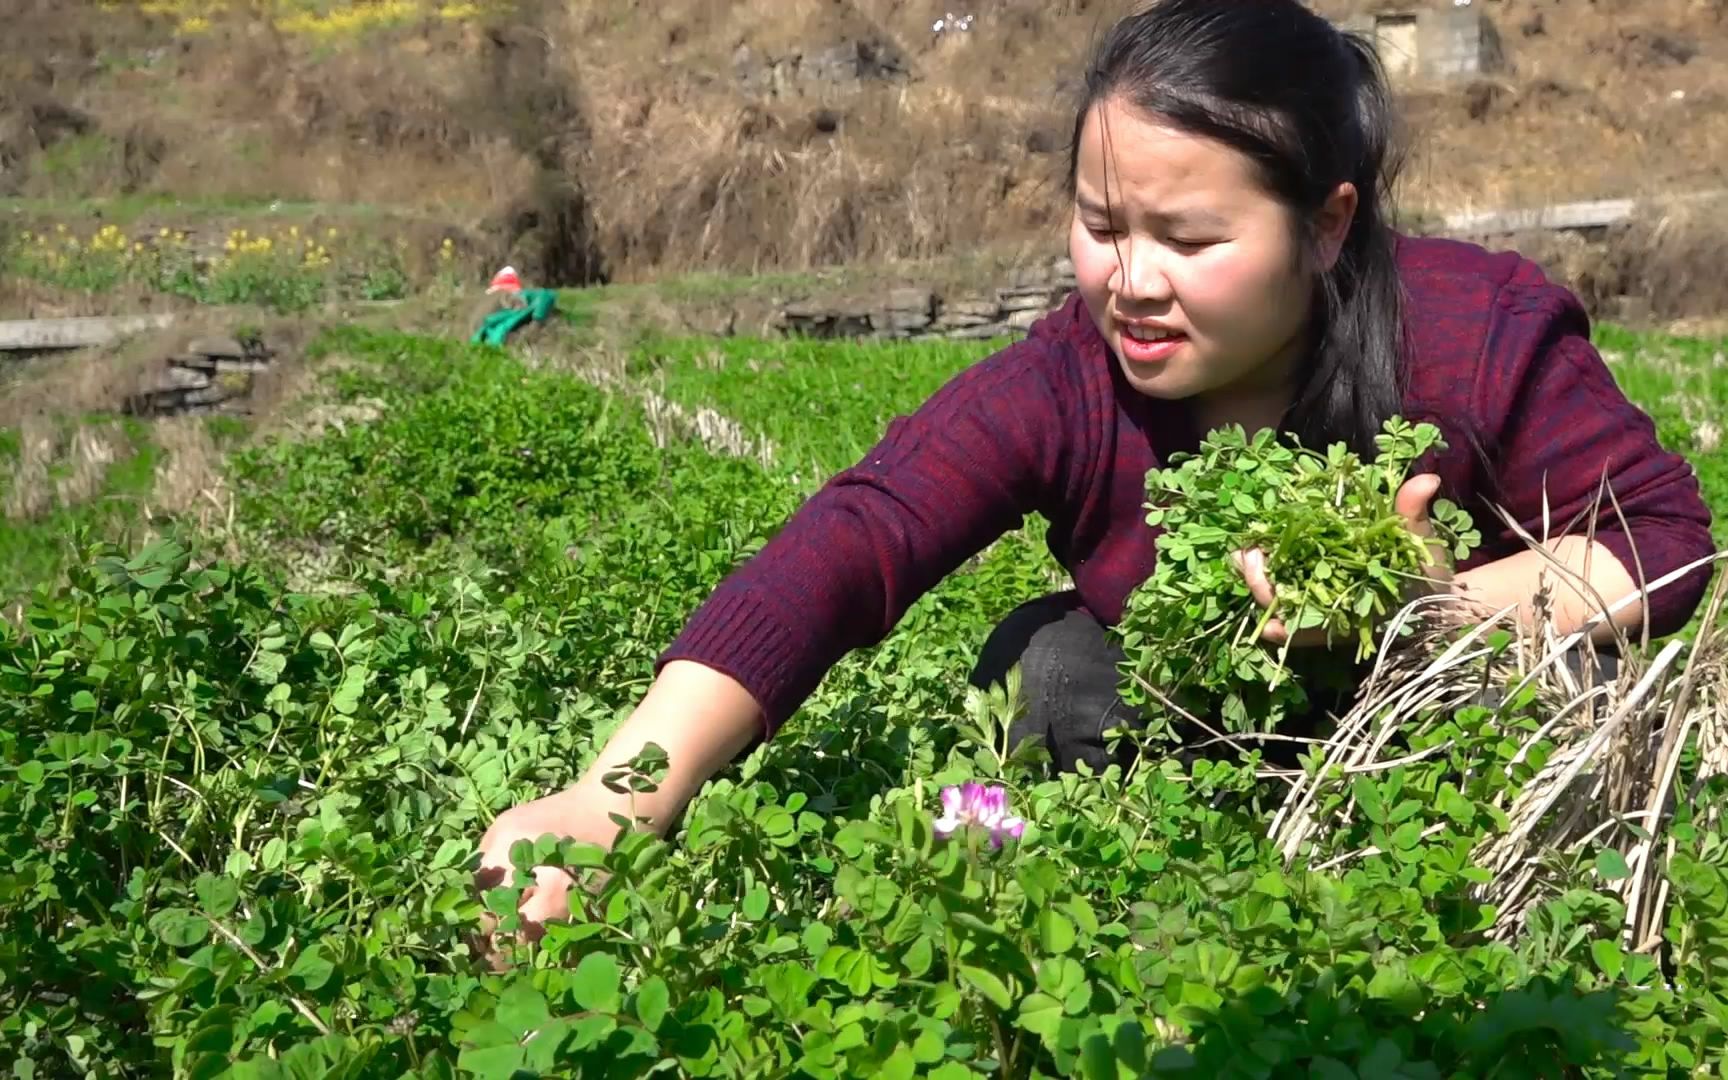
{"x":1413,"y":500}
{"x":1252,"y":566}
{"x":548,"y":898}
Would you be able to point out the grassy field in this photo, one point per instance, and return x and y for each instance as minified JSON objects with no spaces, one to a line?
{"x":247,"y":761}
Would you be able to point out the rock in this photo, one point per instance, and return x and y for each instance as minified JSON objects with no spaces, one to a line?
{"x":1027,"y":278}
{"x":977,"y":333}
{"x":956,"y":320}
{"x":853,"y":61}
{"x":979,"y":306}
{"x":906,"y":320}
{"x":224,"y":363}
{"x":195,"y":361}
{"x":1027,"y":300}
{"x":219,"y":347}
{"x":210,"y":395}
{"x":180,"y":378}
{"x":826,"y":322}
{"x":920,"y":301}
{"x":1023,"y":320}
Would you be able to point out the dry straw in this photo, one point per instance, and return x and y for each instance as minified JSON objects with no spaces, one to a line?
{"x":1613,"y":746}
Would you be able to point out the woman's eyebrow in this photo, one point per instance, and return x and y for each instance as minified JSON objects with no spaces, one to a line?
{"x":1181,"y":218}
{"x":1091,"y":206}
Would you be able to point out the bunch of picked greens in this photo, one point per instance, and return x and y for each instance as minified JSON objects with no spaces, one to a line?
{"x":1337,"y":551}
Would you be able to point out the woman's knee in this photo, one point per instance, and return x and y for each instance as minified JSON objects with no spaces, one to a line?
{"x":1070,"y":677}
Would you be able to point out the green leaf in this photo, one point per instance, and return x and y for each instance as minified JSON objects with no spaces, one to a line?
{"x":594,"y":984}
{"x":179,"y":928}
{"x":1609,"y":959}
{"x":30,"y":773}
{"x":652,"y":1001}
{"x":854,"y":969}
{"x":521,"y":1008}
{"x":755,"y":904}
{"x":1612,"y":865}
{"x":274,"y":854}
{"x":1368,"y":798}
{"x":987,"y":984}
{"x":1041,"y":1014}
{"x":312,"y":968}
{"x":1055,"y":932}
{"x":1392,"y":983}
{"x":217,"y":895}
{"x":873,"y":895}
{"x":491,"y":1052}
{"x":918,"y":957}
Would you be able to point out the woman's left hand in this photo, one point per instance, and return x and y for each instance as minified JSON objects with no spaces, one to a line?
{"x":1414,"y":498}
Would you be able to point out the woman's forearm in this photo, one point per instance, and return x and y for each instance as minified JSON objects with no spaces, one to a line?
{"x":1516,"y":579}
{"x":700,"y":717}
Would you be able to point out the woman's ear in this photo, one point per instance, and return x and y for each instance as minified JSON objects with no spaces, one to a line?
{"x":1332,"y":223}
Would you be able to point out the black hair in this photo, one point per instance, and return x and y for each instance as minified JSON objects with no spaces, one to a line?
{"x":1308,"y":104}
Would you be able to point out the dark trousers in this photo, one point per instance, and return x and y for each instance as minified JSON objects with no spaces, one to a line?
{"x":1069,"y":677}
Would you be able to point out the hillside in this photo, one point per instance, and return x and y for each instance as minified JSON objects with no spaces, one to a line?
{"x":590,"y":142}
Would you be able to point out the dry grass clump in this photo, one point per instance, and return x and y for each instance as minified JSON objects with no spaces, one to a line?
{"x":1667,"y":260}
{"x":59,"y":466}
{"x":1609,"y":749}
{"x":705,"y":159}
{"x":188,"y":482}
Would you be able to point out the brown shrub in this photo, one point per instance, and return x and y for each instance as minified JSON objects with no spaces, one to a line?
{"x":783,"y":158}
{"x":1676,"y":260}
{"x":1663,"y":265}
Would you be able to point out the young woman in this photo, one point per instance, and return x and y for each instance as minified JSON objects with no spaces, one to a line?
{"x":1236,"y":265}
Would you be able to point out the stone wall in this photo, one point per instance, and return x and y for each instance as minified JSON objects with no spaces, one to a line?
{"x":207,"y":375}
{"x":915,"y":312}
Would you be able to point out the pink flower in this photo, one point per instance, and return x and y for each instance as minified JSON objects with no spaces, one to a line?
{"x":981,"y":805}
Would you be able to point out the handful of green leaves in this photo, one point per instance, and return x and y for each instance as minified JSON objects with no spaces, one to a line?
{"x":1337,"y":551}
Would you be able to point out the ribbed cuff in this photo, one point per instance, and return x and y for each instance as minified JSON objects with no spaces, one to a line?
{"x":738,"y":635}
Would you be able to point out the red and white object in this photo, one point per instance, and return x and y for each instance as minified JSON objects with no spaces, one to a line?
{"x":506,"y":280}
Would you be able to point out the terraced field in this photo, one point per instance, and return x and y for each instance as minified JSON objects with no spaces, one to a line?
{"x":246,"y":763}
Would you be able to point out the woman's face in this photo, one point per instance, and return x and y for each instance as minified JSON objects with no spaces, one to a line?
{"x":1189,"y":268}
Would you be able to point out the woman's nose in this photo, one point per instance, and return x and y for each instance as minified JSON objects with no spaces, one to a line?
{"x":1139,"y":274}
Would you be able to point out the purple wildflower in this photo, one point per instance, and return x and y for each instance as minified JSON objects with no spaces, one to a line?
{"x":978,"y":804}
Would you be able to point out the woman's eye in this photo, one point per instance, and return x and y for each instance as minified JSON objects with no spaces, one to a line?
{"x":1191,"y":244}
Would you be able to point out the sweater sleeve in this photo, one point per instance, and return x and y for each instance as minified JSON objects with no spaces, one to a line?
{"x":1560,"y":426}
{"x":938,"y":487}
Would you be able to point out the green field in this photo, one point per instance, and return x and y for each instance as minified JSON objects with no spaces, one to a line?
{"x":239,"y":795}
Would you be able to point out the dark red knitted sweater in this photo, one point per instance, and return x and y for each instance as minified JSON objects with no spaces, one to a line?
{"x":1049,"y":425}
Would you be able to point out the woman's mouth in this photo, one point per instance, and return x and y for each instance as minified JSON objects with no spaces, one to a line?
{"x":1149,"y":344}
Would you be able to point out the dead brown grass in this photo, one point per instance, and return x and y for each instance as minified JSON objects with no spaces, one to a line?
{"x":61,"y":465}
{"x":1663,"y":266}
{"x":593,"y":141}
{"x":188,"y":482}
{"x":1610,"y":772}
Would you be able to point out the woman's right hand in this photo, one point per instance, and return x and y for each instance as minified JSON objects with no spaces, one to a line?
{"x":701,"y":718}
{"x":549,"y":895}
